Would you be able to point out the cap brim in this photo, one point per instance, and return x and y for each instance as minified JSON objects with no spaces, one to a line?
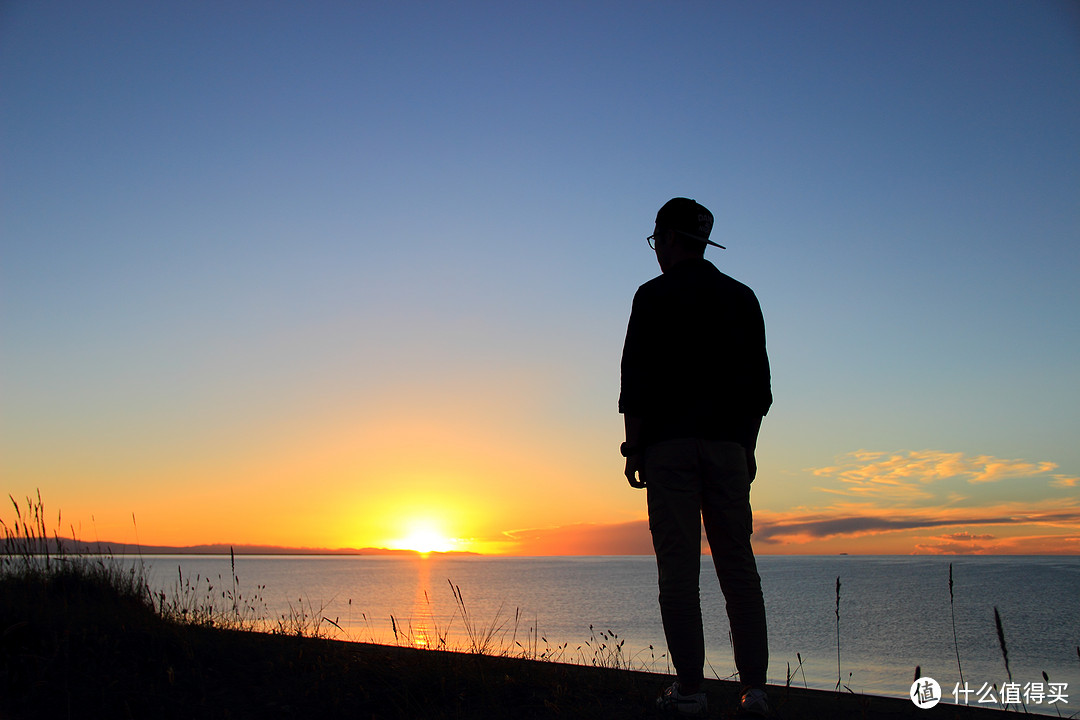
{"x":701,"y":239}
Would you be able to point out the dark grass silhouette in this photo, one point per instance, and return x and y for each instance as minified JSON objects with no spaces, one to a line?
{"x":952,"y":614}
{"x":83,"y":636}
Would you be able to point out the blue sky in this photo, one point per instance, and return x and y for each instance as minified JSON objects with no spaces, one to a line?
{"x":250,"y":250}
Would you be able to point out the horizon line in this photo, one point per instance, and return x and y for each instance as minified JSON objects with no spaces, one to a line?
{"x":225,"y":549}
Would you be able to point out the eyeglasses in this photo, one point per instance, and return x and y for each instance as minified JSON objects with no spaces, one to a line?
{"x":660,"y":234}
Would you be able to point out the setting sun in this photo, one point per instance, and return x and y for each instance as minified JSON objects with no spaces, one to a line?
{"x":424,"y":536}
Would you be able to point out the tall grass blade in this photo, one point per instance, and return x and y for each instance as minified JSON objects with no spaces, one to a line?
{"x":839,"y":676}
{"x":1046,"y":679}
{"x":1004,"y":648}
{"x":1001,"y":642}
{"x":952,"y":612}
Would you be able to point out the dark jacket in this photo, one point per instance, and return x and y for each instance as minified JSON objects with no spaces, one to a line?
{"x":694,"y":363}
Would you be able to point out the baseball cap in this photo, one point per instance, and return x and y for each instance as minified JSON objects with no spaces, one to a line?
{"x":686,"y":216}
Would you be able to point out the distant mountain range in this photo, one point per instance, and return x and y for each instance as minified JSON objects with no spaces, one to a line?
{"x":127,"y":549}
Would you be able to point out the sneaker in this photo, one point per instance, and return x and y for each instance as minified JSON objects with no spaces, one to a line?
{"x":753,"y":703}
{"x":690,"y":705}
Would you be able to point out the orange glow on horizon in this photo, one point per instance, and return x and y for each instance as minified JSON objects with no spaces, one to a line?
{"x":424,"y":536}
{"x":435,"y":488}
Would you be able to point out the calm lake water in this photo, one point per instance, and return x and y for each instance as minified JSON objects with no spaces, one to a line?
{"x":894,"y":611}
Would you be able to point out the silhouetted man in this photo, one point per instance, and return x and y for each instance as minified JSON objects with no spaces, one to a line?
{"x":695,"y":385}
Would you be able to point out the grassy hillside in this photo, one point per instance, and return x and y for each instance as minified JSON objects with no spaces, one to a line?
{"x":82,"y":636}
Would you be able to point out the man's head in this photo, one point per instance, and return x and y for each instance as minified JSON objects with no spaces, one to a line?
{"x":682,"y":232}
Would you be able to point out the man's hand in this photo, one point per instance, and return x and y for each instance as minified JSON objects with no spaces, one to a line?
{"x":633,"y":442}
{"x":633,"y":471}
{"x":751,"y":464}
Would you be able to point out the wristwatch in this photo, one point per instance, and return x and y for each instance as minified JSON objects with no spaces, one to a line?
{"x":628,"y":450}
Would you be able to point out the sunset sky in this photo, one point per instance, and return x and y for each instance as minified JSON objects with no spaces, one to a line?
{"x":351,"y":274}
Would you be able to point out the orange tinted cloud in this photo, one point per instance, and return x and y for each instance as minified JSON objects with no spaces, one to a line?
{"x":1040,"y":527}
{"x":1065,"y":481}
{"x":889,"y":474}
{"x":968,"y":544}
{"x":844,"y":521}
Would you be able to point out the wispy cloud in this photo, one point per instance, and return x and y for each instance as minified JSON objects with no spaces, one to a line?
{"x":852,"y":522}
{"x":822,"y":525}
{"x":906,"y":473}
{"x":991,"y":545}
{"x":1065,"y":481}
{"x":956,"y":544}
